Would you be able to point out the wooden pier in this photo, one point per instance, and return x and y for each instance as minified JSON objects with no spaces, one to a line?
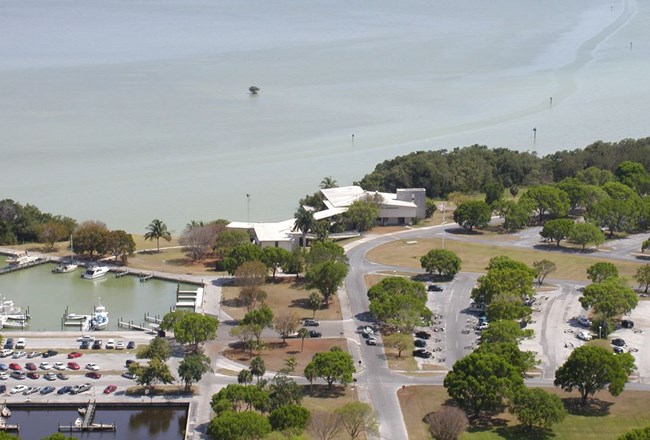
{"x":146,"y":277}
{"x":155,"y":319}
{"x":131,"y":326}
{"x":121,"y":273}
{"x":9,"y":269}
{"x":87,"y":423}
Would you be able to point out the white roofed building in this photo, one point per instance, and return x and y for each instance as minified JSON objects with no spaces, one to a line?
{"x":398,"y":208}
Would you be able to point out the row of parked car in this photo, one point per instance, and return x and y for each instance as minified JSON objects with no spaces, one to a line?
{"x":76,"y":389}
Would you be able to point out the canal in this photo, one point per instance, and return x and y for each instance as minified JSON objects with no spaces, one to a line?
{"x":144,"y":422}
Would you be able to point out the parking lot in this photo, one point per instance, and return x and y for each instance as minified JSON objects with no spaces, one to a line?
{"x":109,"y":364}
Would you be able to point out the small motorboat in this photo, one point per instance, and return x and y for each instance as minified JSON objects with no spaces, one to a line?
{"x":94,"y":272}
{"x":79,"y":422}
{"x":5,"y":412}
{"x":82,"y":410}
{"x":65,"y":268}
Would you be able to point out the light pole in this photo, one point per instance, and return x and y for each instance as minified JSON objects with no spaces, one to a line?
{"x":600,"y":328}
{"x":248,"y":208}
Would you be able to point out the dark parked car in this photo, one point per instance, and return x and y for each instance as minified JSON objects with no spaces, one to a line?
{"x":85,"y":345}
{"x":3,"y":389}
{"x":33,"y":375}
{"x":618,"y":350}
{"x":129,"y":362}
{"x":422,"y":353}
{"x":310,"y":323}
{"x":423,"y":335}
{"x":434,"y":288}
{"x":50,"y":353}
{"x":627,"y":323}
{"x":47,"y":390}
{"x":315,"y":334}
{"x":9,"y":343}
{"x":97,"y":344}
{"x":420,"y":343}
{"x":93,"y":375}
{"x":64,"y":390}
{"x":31,"y":366}
{"x":618,"y":342}
{"x":130,"y":345}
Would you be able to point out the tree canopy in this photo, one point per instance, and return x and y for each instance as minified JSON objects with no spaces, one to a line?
{"x":473,"y":214}
{"x":591,"y":368}
{"x":332,"y":366}
{"x":443,"y":261}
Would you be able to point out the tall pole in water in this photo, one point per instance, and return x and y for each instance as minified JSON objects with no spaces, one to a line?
{"x":248,"y":208}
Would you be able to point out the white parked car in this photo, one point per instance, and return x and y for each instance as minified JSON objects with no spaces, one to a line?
{"x":19,"y":354}
{"x":20,"y":344}
{"x":110,"y":344}
{"x":93,"y":367}
{"x":583,"y":320}
{"x":45,"y":366}
{"x":59,"y":366}
{"x":18,"y":389}
{"x":4,"y":376}
{"x":119,"y":345}
{"x":585,"y":336}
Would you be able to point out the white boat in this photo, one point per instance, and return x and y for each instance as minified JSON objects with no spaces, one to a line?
{"x":99,"y":320}
{"x":79,"y":422}
{"x":15,"y":324}
{"x":94,"y":272}
{"x":5,"y":412}
{"x":75,"y":317}
{"x":65,"y":268}
{"x":22,"y":260}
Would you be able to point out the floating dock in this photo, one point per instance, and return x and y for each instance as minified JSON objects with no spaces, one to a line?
{"x":87,"y":424}
{"x":189,"y":299}
{"x":37,"y":262}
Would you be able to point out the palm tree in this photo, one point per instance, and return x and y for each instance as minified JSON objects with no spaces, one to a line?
{"x":302,"y":334}
{"x":328,"y":182}
{"x":157,"y":230}
{"x":304,"y":222}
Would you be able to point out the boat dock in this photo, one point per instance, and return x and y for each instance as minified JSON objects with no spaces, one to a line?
{"x":87,"y":423}
{"x":189,"y":299}
{"x":146,"y":277}
{"x":131,"y":326}
{"x":37,"y":262}
{"x":121,"y":273}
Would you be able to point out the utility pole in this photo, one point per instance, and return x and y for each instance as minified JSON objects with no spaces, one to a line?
{"x":248,"y":208}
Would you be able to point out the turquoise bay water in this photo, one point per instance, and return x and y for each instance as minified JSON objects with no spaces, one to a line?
{"x":127,"y":111}
{"x":48,"y":295}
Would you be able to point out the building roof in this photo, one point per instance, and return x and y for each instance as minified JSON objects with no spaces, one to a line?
{"x":268,"y":232}
{"x":344,"y":196}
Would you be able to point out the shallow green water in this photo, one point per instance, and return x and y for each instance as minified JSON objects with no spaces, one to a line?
{"x":47,"y":295}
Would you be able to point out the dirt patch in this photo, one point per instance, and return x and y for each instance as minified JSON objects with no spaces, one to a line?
{"x":276,"y":353}
{"x":285,"y":296}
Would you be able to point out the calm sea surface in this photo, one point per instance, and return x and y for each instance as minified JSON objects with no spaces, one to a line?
{"x":127,"y":111}
{"x":48,"y":295}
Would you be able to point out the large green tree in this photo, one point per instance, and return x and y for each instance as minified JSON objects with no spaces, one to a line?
{"x":240,"y":255}
{"x":193,"y":329}
{"x":591,"y":368}
{"x":274,"y":258}
{"x":585,"y":233}
{"x":498,"y":282}
{"x":289,"y":418}
{"x":245,"y":425}
{"x":481,"y":383}
{"x":600,"y":271}
{"x":542,"y":269}
{"x":192,"y":368}
{"x":610,"y":298}
{"x":557,"y":230}
{"x":157,"y":348}
{"x":156,"y":371}
{"x":361,"y":214}
{"x":473,"y":214}
{"x":157,"y":230}
{"x":443,"y":261}
{"x":332,"y":366}
{"x":326,"y":277}
{"x":642,"y":276}
{"x":535,"y":407}
{"x":637,"y":434}
{"x":90,"y":237}
{"x":504,"y":331}
{"x":120,"y":244}
{"x":523,"y":361}
{"x":547,"y":199}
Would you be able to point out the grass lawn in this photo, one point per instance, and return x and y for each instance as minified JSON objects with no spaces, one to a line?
{"x":276,"y":353}
{"x":475,"y":257}
{"x":286,"y":295}
{"x":607,"y":418}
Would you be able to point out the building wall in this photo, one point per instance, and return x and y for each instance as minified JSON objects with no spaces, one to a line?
{"x":286,"y":244}
{"x":417,"y":196}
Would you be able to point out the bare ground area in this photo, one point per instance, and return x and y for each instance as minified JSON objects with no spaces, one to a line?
{"x":282,"y":296}
{"x":276,"y":352}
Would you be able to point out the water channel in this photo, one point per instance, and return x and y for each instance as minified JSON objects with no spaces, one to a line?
{"x":47,"y":295}
{"x":166,"y":423}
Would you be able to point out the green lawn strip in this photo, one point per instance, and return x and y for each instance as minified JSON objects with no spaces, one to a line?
{"x":607,"y":418}
{"x":475,"y":257}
